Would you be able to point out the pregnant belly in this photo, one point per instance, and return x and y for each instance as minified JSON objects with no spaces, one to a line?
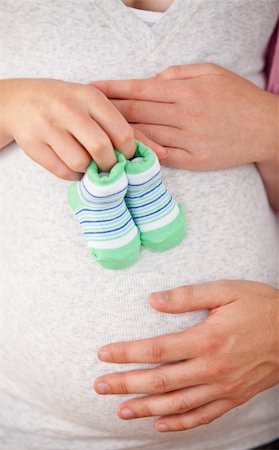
{"x":59,"y":306}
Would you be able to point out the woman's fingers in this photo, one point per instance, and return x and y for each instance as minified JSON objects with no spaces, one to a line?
{"x":177,"y":402}
{"x":111,"y":121}
{"x":199,"y":416}
{"x":159,"y":380}
{"x":44,"y":155}
{"x":69,"y":150}
{"x":96,"y":142}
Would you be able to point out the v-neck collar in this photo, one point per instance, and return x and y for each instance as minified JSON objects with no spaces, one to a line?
{"x":144,"y":37}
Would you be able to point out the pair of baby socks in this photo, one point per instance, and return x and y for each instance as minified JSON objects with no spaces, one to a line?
{"x":125,"y":208}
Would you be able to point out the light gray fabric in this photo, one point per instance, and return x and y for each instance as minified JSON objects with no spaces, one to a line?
{"x":57,"y":305}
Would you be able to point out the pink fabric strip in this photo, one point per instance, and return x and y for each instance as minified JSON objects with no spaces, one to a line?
{"x":272,"y":66}
{"x":272,"y":62}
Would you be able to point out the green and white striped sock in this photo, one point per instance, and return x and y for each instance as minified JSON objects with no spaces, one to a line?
{"x":160,"y":220}
{"x":98,"y":203}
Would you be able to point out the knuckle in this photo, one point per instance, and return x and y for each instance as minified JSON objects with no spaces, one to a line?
{"x":182,"y":292}
{"x":126,"y":136}
{"x":156,"y":352}
{"x":133,"y":109}
{"x":145,"y":411}
{"x":227,"y":388}
{"x":180,"y":424}
{"x":126,"y":142}
{"x":80,"y":163}
{"x":62,"y":103}
{"x":217,"y":370}
{"x":205,"y":420}
{"x":180,"y":404}
{"x":62,"y":172}
{"x":123,"y":353}
{"x":158,"y":382}
{"x":135,"y":87}
{"x":98,"y":149}
{"x":123,"y":384}
{"x":211,"y":344}
{"x":174,"y":70}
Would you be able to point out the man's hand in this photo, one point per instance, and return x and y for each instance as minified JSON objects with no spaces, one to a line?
{"x":206,"y":117}
{"x":215,"y":366}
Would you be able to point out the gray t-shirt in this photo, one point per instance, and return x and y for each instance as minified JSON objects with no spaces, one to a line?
{"x":57,"y":305}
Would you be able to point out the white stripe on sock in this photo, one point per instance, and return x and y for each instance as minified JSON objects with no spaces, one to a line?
{"x":161,"y":222}
{"x":114,"y":243}
{"x":106,"y":189}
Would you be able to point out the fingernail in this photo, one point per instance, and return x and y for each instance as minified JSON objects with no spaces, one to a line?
{"x":126,"y":413}
{"x":102,"y":388}
{"x":162,"y":427}
{"x":161,"y":298}
{"x":104,"y":355}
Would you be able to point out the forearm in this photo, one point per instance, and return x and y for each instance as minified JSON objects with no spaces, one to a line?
{"x":269,"y":166}
{"x":270,"y":174}
{"x":5,"y":136}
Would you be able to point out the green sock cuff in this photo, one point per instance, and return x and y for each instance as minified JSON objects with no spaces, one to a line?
{"x":93,"y":172}
{"x":149,"y":158}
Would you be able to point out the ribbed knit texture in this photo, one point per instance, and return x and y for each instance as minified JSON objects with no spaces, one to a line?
{"x":56,"y":307}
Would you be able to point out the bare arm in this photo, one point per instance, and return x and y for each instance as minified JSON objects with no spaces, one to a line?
{"x":5,"y":136}
{"x":62,"y":125}
{"x":269,"y":169}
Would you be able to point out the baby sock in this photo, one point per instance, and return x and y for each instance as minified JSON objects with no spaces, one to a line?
{"x":160,"y":220}
{"x":98,"y":203}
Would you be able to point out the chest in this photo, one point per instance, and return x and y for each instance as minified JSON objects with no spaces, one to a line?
{"x":151,"y":5}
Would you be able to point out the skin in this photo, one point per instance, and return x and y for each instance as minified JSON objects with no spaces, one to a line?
{"x":152,"y":5}
{"x":62,"y":126}
{"x":216,"y":366}
{"x":200,"y":128}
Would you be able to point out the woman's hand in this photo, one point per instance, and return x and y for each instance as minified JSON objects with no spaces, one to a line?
{"x":62,"y":126}
{"x":216,"y":365}
{"x":206,"y":117}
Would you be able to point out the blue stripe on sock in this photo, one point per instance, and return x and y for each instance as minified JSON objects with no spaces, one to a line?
{"x":108,"y":231}
{"x":104,"y":220}
{"x":149,"y":203}
{"x":102,"y":196}
{"x":146,"y":193}
{"x":98,"y":210}
{"x":148,"y":181}
{"x":154,"y":212}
